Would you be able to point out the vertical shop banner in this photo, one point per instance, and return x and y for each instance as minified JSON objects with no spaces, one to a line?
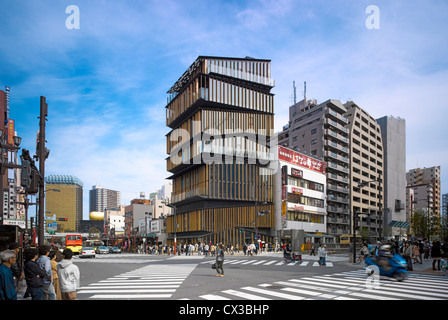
{"x":10,"y":131}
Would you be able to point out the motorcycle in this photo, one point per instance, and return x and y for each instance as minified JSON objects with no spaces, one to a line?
{"x":397,"y":267}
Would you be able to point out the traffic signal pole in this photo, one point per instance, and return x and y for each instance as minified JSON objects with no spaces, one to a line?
{"x":41,"y":156}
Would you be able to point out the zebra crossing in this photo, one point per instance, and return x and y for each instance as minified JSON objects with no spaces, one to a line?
{"x":350,"y":285}
{"x":119,"y":258}
{"x":150,"y":282}
{"x":267,"y":262}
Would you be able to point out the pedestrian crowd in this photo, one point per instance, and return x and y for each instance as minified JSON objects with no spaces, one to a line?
{"x":46,"y":274}
{"x":207,"y":249}
{"x":413,"y":252}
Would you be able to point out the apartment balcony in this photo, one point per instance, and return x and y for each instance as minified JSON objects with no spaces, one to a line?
{"x":336,"y":178}
{"x":329,"y":133}
{"x":336,"y":116}
{"x":337,"y":188}
{"x":333,"y":155}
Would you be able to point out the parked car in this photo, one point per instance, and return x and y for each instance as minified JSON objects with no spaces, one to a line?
{"x":102,"y":249}
{"x":115,"y":250}
{"x":87,"y":252}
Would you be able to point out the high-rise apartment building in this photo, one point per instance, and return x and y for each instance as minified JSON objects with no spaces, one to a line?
{"x":221,"y":115}
{"x":65,"y":203}
{"x":366,"y":166}
{"x":393,"y":135}
{"x":102,"y":198}
{"x":319,"y":130}
{"x":429,"y":195}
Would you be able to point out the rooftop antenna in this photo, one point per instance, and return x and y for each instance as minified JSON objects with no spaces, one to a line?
{"x":294,"y":87}
{"x":295,"y":101}
{"x":304,"y":91}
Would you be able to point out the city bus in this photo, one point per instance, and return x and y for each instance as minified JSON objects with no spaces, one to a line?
{"x":347,"y":239}
{"x":74,"y":242}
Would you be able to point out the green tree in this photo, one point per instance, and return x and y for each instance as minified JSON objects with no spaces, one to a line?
{"x":419,"y":223}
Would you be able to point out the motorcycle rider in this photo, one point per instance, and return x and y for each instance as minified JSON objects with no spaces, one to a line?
{"x":383,"y":256}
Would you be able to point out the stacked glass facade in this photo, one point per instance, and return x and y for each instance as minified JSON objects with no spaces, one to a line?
{"x":221,"y":114}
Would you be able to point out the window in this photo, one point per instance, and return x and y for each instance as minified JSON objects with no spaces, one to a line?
{"x":313,"y":131}
{"x":314,"y":141}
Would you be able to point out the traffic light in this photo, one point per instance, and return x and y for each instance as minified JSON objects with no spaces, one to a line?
{"x":25,"y":174}
{"x":62,"y":219}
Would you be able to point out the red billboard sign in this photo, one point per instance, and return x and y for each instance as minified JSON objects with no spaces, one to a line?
{"x":299,"y":159}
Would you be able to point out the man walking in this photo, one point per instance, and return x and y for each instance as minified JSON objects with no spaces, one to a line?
{"x":68,"y":276}
{"x":322,"y":254}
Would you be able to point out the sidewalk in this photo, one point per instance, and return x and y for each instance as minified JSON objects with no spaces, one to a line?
{"x":426,"y":267}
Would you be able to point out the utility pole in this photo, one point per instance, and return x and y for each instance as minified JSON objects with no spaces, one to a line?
{"x":41,"y":155}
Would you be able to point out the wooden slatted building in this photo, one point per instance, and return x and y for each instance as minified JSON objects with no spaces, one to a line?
{"x":221,"y":115}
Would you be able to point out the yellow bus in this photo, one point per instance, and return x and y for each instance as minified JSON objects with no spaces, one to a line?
{"x":348,"y":239}
{"x":74,"y":242}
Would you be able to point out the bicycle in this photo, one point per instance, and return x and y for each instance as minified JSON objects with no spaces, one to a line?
{"x":360,"y":259}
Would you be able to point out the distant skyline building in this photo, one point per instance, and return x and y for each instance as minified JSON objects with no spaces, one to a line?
{"x":101,"y":198}
{"x":426,"y":185}
{"x":445,"y":205}
{"x":65,"y":203}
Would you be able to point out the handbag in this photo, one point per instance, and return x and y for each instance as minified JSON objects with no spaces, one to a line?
{"x":213,"y":265}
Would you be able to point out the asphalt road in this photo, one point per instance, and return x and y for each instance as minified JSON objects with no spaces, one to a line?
{"x":151,"y":277}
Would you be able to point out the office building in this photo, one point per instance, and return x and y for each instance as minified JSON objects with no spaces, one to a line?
{"x":102,"y":198}
{"x":221,"y":115}
{"x":366,"y":166}
{"x":393,"y":135}
{"x":63,"y":200}
{"x":319,"y":131}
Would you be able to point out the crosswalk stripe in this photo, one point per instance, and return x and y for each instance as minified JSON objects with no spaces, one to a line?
{"x":245,"y":295}
{"x":267,"y":263}
{"x":130,"y":296}
{"x":273,"y":293}
{"x":213,"y":297}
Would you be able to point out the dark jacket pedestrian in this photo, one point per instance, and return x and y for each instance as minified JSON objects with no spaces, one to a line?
{"x":436,"y":255}
{"x":34,"y":275}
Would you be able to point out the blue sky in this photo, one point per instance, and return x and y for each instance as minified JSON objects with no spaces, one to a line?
{"x":106,"y":82}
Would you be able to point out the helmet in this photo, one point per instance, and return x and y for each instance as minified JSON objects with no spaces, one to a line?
{"x":385,"y":247}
